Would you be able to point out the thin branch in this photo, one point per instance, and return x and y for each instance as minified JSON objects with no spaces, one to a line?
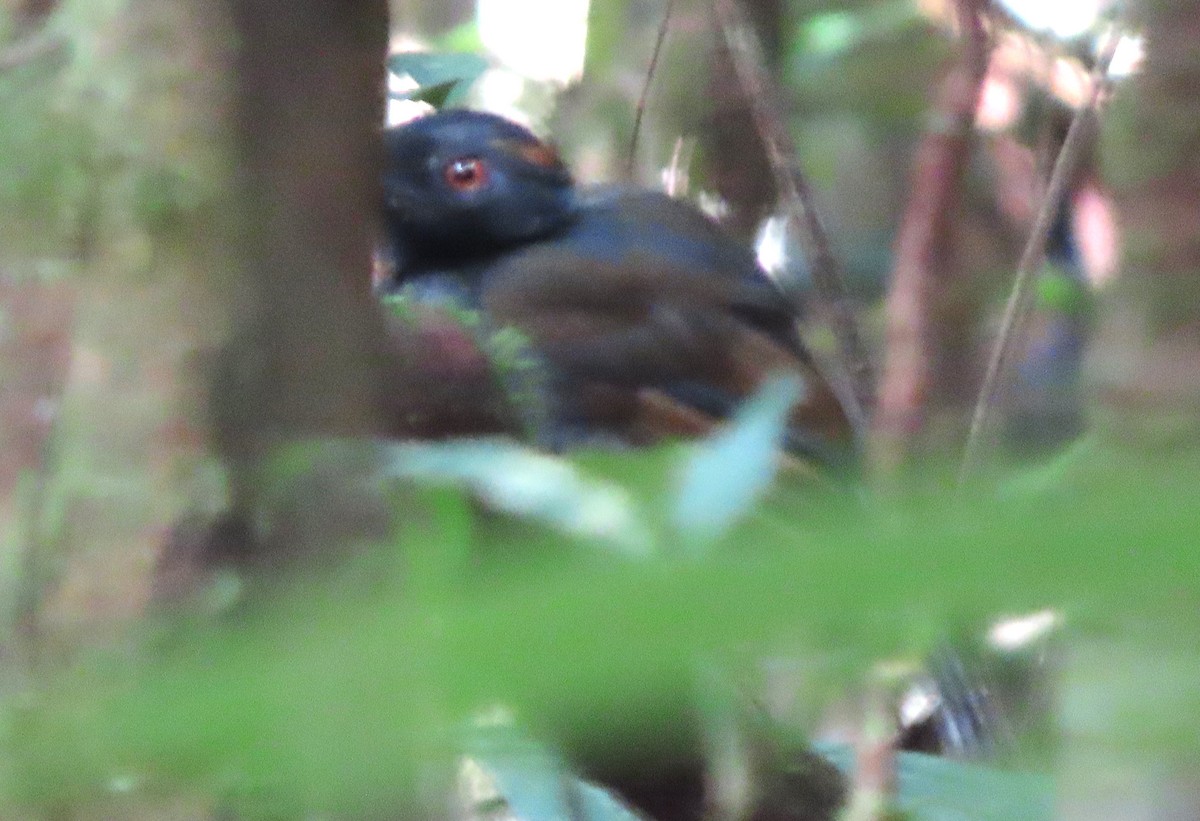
{"x":1020,"y":299}
{"x":37,"y":550}
{"x":640,"y":111}
{"x":873,"y":785}
{"x":748,"y":64}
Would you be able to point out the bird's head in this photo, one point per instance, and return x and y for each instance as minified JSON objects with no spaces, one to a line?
{"x":461,"y":183}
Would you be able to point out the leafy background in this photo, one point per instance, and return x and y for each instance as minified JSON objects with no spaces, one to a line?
{"x":573,"y":601}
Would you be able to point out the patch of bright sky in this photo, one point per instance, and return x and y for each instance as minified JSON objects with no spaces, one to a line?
{"x":1072,"y":18}
{"x":538,"y":39}
{"x":1062,"y":18}
{"x":401,"y":110}
{"x":771,"y":245}
{"x":1128,"y":57}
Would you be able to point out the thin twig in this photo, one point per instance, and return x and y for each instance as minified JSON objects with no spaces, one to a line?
{"x":1020,"y":299}
{"x":640,"y":111}
{"x":748,"y":64}
{"x":873,"y":785}
{"x":37,"y":552}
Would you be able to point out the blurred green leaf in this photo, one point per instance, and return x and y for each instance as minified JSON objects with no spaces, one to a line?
{"x":830,"y":32}
{"x":932,"y":788}
{"x":442,"y":78}
{"x":336,"y":698}
{"x":430,"y":68}
{"x":1049,"y":477}
{"x":877,"y":61}
{"x":605,"y":29}
{"x":436,"y":95}
{"x":1062,"y":292}
{"x":462,"y":38}
{"x":510,"y":775}
{"x":725,"y":475}
{"x":523,"y":482}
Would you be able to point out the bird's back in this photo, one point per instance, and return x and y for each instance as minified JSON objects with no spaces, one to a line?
{"x":628,"y":294}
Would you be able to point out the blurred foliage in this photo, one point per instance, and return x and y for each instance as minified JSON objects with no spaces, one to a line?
{"x":877,"y":61}
{"x":859,"y":77}
{"x":47,"y":148}
{"x":528,"y":780}
{"x":723,"y":479}
{"x":511,"y":776}
{"x":355,"y":688}
{"x":343,"y":690}
{"x":1061,"y":291}
{"x":71,"y":158}
{"x":937,"y":789}
{"x":442,"y":78}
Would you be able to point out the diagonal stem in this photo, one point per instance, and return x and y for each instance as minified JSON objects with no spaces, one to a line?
{"x":640,"y":111}
{"x":1020,"y":299}
{"x":746,"y":57}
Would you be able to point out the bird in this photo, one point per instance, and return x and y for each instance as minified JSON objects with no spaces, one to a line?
{"x":652,"y":320}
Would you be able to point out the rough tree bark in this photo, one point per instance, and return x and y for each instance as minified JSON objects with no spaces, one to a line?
{"x":278,"y":249}
{"x":129,"y":443}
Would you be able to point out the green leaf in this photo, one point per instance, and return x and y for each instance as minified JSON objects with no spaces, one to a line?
{"x":335,"y":698}
{"x":1059,"y":291}
{"x":607,"y":26}
{"x":506,"y":771}
{"x":430,"y":68}
{"x":726,"y":475}
{"x":513,"y":479}
{"x":832,"y":32}
{"x":939,"y":789}
{"x":436,"y":95}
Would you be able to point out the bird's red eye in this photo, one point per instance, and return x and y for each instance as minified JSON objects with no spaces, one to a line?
{"x":466,"y":174}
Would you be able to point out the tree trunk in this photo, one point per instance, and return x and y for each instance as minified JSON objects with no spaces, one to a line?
{"x":926,"y":313}
{"x":129,"y":446}
{"x":253,"y":209}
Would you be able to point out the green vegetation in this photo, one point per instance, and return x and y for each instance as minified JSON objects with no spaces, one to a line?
{"x":341,"y":691}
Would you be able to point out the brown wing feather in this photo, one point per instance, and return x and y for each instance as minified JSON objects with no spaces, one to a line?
{"x":619,"y":328}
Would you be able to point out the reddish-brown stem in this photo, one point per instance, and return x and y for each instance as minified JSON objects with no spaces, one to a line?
{"x":921,"y":269}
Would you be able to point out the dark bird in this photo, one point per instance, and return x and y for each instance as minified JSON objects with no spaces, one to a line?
{"x":653,"y":321}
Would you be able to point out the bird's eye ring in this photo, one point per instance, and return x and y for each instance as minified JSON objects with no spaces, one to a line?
{"x":466,"y":173}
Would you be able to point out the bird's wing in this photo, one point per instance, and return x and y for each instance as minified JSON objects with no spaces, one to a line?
{"x":634,"y":320}
{"x":615,"y":222}
{"x":641,"y":326}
